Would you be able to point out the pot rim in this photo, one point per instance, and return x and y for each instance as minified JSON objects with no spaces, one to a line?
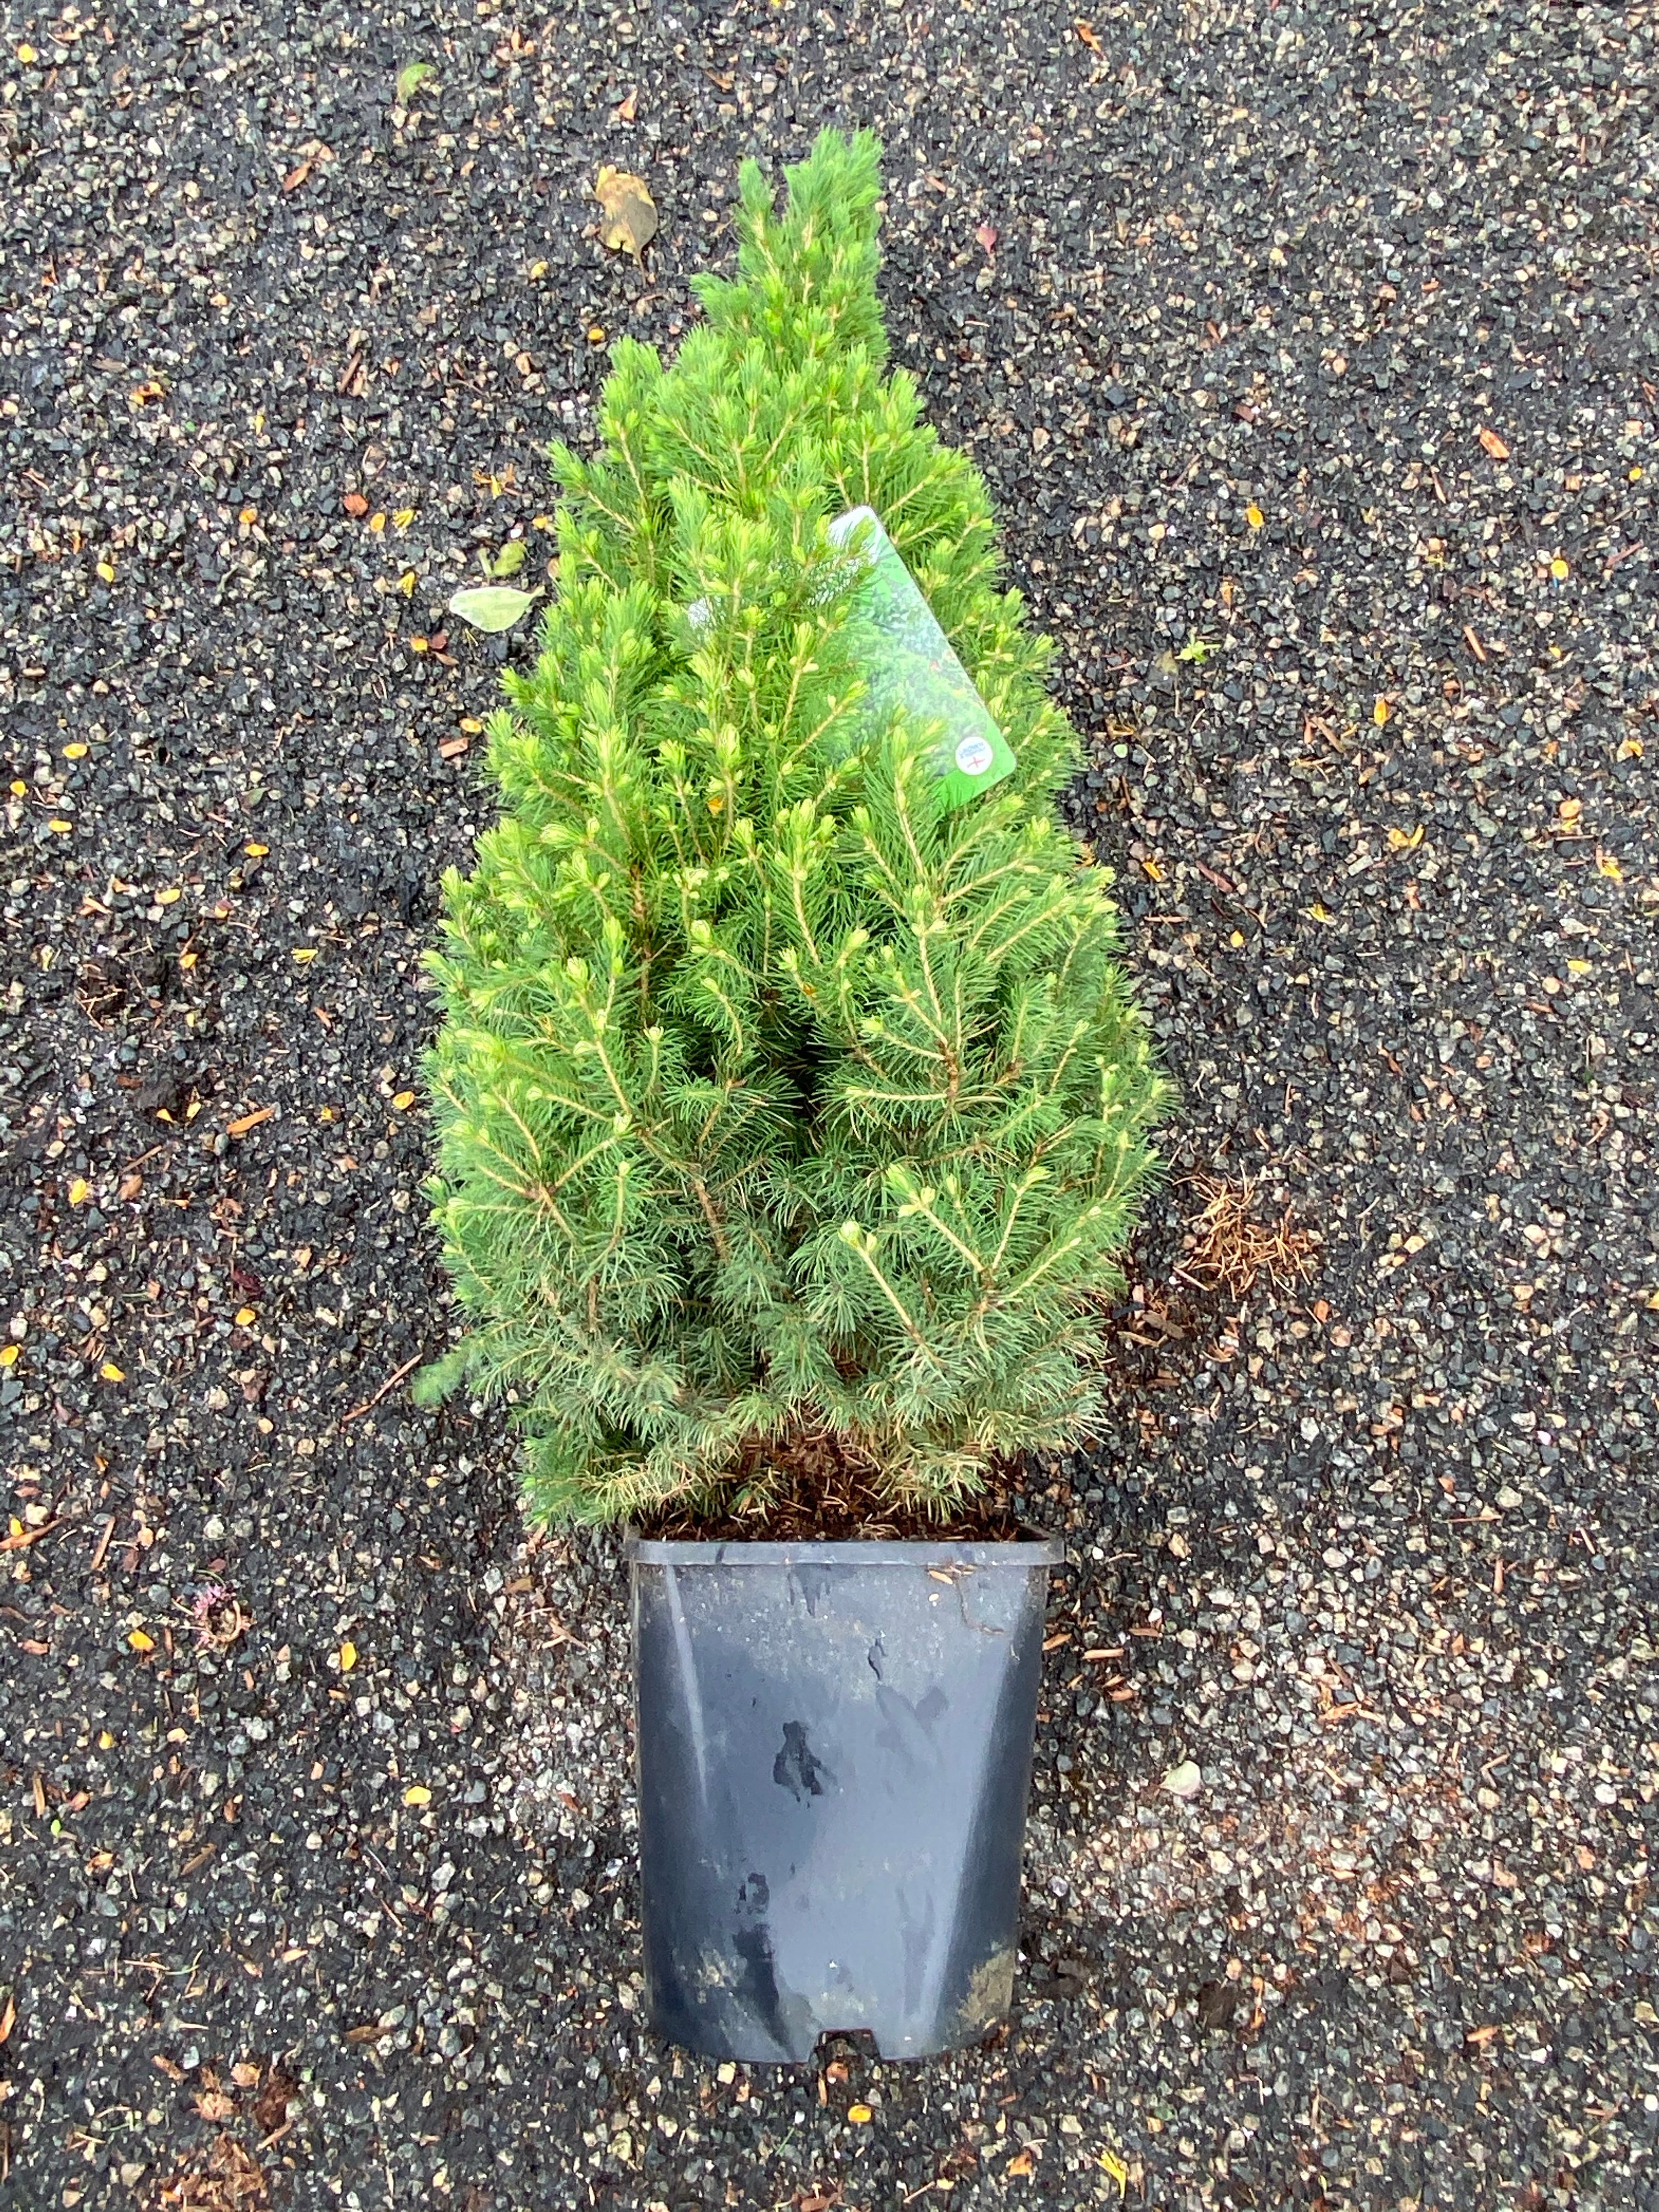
{"x":1021,"y":1551}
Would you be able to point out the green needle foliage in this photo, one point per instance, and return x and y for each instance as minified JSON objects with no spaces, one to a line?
{"x":777,"y":1102}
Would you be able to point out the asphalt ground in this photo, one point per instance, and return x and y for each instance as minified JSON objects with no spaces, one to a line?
{"x":1311,"y":356}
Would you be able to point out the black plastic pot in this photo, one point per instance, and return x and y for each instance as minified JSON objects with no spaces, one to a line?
{"x":835,"y":1746}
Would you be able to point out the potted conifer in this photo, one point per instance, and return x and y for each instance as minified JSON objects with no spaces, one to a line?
{"x":792,"y":1111}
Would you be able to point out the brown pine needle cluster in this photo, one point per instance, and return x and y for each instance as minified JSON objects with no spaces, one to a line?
{"x":1228,"y":1248}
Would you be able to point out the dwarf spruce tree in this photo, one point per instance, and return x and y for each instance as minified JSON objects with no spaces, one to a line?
{"x":776,"y":1099}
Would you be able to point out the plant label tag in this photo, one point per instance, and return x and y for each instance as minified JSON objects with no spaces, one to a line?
{"x":907,"y":661}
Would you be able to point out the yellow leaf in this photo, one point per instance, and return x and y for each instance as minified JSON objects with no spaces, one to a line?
{"x":472,"y":726}
{"x":377,"y":522}
{"x":106,"y":1741}
{"x":1023,"y":2163}
{"x":1406,"y":840}
{"x":541,"y":522}
{"x":1318,"y":912}
{"x":106,"y":570}
{"x":1571,"y":809}
{"x":537,"y":271}
{"x":188,"y":959}
{"x":304,"y":953}
{"x":595,"y":334}
{"x":417,"y":1794}
{"x":75,"y":752}
{"x":417,"y":645}
{"x":348,"y":1657}
{"x":1254,"y":516}
{"x":860,"y":2114}
{"x":1578,"y":967}
{"x":10,"y":1354}
{"x":248,"y":514}
{"x":25,"y":54}
{"x":1629,"y":749}
{"x":140,"y":1642}
{"x":1153,"y":871}
{"x":404,"y":1101}
{"x":79,"y":1191}
{"x":403,"y":516}
{"x":171,"y":897}
{"x":20,"y":790}
{"x":256,"y":852}
{"x":406,"y":583}
{"x":1381,"y":712}
{"x":112,"y":1373}
{"x":1117,"y":2170}
{"x":1607,"y":866}
{"x":62,"y":827}
{"x":245,"y":1317}
{"x":630,"y":213}
{"x":1559,"y":569}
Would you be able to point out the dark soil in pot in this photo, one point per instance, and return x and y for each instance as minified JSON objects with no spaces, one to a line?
{"x":811,"y":1487}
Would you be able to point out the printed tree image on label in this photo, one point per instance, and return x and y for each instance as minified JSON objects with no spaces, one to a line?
{"x":907,"y":662}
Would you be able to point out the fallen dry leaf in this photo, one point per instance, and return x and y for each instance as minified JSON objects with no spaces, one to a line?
{"x":630,"y":213}
{"x":1086,"y":31}
{"x":354,"y":503}
{"x":229,"y":2182}
{"x":311,"y":157}
{"x":271,"y":2105}
{"x":629,"y":108}
{"x":214,"y":2104}
{"x":243,"y":1122}
{"x":1493,"y":444}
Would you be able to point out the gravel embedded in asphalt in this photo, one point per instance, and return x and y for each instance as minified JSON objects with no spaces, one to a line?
{"x":1312,"y":359}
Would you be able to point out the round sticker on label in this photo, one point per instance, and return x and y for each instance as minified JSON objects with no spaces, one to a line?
{"x":974,"y":755}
